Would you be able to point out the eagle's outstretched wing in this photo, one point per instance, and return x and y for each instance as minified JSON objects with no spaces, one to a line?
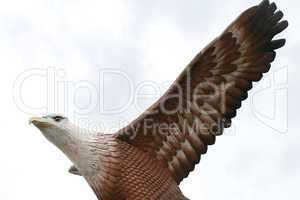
{"x":203,"y":100}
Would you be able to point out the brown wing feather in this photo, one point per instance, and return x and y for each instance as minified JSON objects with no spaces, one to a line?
{"x":203,"y":100}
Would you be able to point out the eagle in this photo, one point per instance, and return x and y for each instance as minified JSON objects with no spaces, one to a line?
{"x":149,"y":158}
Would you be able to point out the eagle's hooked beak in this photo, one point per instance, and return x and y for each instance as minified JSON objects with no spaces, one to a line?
{"x":40,"y":122}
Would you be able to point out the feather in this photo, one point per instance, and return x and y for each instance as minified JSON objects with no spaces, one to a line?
{"x":213,"y":87}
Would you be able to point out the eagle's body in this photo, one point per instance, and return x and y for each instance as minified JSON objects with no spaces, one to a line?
{"x":149,"y":158}
{"x":131,"y":170}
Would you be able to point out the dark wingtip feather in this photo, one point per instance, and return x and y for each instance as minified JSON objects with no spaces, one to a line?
{"x":276,"y":17}
{"x":276,"y":44}
{"x":270,"y":56}
{"x":281,"y":26}
{"x":264,"y":4}
{"x":273,"y":7}
{"x":266,"y":68}
{"x":261,"y":10}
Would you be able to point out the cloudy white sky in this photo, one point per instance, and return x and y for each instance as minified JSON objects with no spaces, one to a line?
{"x":89,"y":58}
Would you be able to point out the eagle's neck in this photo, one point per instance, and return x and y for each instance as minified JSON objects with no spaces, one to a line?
{"x":95,"y":155}
{"x":103,"y":165}
{"x":92,"y":153}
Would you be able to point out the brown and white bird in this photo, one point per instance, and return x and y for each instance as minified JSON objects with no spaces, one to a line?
{"x":149,"y":158}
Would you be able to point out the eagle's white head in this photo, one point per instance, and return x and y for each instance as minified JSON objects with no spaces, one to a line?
{"x":70,"y":139}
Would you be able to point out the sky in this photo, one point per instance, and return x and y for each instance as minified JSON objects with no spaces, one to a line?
{"x":101,"y":63}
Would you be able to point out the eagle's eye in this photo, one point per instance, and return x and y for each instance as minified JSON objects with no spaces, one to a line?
{"x":58,"y":118}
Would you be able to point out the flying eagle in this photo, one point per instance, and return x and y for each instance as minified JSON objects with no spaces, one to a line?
{"x":151,"y":156}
